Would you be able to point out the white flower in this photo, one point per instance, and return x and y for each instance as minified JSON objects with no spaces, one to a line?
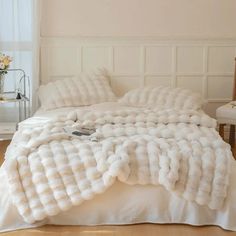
{"x":2,"y":66}
{"x":5,"y":61}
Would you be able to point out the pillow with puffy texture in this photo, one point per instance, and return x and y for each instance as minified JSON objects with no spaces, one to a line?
{"x":162,"y":97}
{"x":87,"y":89}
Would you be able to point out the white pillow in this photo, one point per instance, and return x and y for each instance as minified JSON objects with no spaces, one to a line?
{"x":162,"y":97}
{"x":87,"y":89}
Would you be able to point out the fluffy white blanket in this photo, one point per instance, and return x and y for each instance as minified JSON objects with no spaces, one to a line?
{"x":49,"y":172}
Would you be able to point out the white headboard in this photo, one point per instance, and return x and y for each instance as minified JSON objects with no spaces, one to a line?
{"x":205,"y":66}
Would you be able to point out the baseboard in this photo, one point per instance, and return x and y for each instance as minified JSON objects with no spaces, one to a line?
{"x":4,"y":137}
{"x":7,"y":130}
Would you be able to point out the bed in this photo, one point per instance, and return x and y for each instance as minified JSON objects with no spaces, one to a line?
{"x":121,"y":194}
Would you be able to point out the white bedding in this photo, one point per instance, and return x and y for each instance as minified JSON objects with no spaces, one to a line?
{"x":41,"y":116}
{"x":123,"y":204}
{"x":82,"y":90}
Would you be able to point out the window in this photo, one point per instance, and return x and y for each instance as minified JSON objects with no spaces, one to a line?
{"x":18,"y":39}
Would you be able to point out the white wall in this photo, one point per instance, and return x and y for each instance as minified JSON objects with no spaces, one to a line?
{"x":162,"y":18}
{"x":194,"y":41}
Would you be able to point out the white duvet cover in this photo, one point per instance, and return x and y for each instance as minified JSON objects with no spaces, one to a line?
{"x":122,"y":203}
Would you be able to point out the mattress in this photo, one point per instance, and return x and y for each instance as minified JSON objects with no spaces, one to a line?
{"x":121,"y":203}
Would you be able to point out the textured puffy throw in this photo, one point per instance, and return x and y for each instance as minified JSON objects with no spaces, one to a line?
{"x":162,"y":97}
{"x":49,"y":172}
{"x":86,"y":89}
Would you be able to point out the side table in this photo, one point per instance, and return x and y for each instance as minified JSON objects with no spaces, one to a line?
{"x":226,"y":115}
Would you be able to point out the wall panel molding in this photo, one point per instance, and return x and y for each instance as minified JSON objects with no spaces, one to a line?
{"x":206,"y":66}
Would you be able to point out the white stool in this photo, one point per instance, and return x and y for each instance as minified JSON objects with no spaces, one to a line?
{"x":226,"y":115}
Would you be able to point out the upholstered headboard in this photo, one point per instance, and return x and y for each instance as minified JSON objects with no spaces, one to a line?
{"x":201,"y":65}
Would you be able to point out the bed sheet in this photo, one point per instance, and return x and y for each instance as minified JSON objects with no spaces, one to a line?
{"x":122,"y":204}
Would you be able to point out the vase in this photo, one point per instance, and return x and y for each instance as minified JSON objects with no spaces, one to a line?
{"x":2,"y":86}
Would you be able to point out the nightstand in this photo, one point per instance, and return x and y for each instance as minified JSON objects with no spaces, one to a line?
{"x":226,"y":115}
{"x":7,"y":129}
{"x":15,"y":101}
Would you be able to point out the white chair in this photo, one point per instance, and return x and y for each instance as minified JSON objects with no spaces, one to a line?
{"x":226,"y":115}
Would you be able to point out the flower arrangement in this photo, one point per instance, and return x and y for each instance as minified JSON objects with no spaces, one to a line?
{"x":4,"y":63}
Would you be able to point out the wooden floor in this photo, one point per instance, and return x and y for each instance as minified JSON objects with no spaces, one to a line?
{"x":3,"y":146}
{"x":130,"y":230}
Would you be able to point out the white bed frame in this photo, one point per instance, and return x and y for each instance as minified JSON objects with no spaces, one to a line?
{"x":205,"y":66}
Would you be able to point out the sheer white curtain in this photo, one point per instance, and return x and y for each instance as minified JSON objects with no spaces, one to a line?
{"x":19,"y":38}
